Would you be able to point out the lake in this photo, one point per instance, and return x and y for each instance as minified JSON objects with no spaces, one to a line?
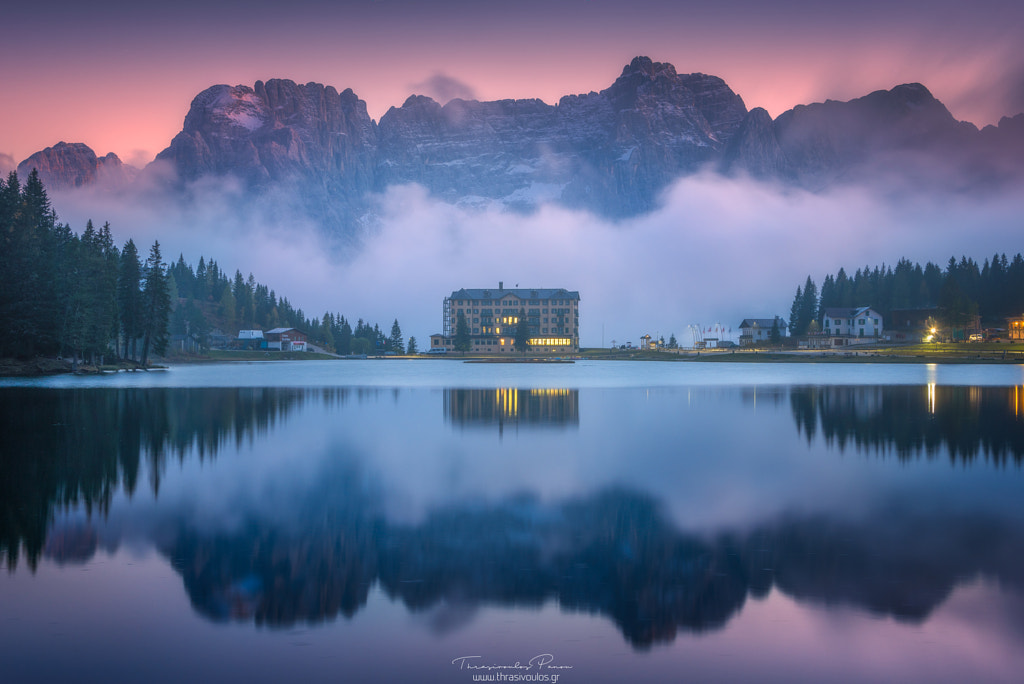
{"x":390,"y":521}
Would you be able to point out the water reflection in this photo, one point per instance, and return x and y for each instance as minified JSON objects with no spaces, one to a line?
{"x":612,"y":554}
{"x":77,"y":447}
{"x":512,"y":407}
{"x":314,"y":551}
{"x":964,"y":422}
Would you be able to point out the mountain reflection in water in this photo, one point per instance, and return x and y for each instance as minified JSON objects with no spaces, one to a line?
{"x":613,"y":551}
{"x":613,"y":554}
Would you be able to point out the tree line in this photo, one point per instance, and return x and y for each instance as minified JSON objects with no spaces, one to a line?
{"x":69,"y":295}
{"x":207,"y":299}
{"x":80,"y":297}
{"x":960,"y":292}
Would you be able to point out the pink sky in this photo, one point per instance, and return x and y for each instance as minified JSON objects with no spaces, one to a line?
{"x":119,"y":76}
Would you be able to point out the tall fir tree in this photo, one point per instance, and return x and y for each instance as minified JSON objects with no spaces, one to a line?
{"x":808,"y":305}
{"x":156,"y":300}
{"x":396,"y":343}
{"x":129,"y":298}
{"x":795,"y":324}
{"x":462,"y":340}
{"x":522,"y":337}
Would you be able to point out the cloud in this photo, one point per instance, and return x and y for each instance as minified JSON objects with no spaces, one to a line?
{"x":716,"y":250}
{"x":7,"y":164}
{"x":442,"y":88}
{"x":139,"y":158}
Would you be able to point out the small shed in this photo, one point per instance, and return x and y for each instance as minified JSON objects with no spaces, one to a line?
{"x":251,"y":339}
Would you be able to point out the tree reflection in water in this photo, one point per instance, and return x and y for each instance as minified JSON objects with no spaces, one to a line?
{"x":915,"y":421}
{"x":614,"y":553}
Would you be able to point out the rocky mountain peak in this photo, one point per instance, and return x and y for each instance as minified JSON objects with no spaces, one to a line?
{"x":74,"y":165}
{"x":647,"y":68}
{"x":611,"y":151}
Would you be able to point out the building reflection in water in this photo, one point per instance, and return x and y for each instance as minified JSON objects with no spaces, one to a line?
{"x":612,"y":552}
{"x":510,"y":407}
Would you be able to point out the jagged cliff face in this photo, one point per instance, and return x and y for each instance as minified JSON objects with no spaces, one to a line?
{"x":74,"y":165}
{"x":312,"y":139}
{"x":905,"y":128}
{"x":611,"y":152}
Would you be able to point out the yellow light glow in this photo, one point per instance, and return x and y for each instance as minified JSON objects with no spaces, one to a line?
{"x":549,"y":393}
{"x":550,"y":342}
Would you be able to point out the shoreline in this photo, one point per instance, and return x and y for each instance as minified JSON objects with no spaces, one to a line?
{"x":42,"y":367}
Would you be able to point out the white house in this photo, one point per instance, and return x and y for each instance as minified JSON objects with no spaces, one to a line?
{"x":845,"y":322}
{"x":755,"y":331}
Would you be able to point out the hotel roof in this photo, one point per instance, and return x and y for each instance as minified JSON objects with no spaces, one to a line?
{"x":519,"y":293}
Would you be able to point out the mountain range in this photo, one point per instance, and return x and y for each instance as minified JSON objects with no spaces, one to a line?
{"x":611,"y":152}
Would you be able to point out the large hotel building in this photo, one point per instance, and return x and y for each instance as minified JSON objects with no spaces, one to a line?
{"x":493,"y":315}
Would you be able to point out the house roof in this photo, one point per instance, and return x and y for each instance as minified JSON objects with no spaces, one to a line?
{"x":845,"y":312}
{"x":250,"y":334}
{"x":519,"y":293}
{"x":762,"y":323}
{"x":278,"y":331}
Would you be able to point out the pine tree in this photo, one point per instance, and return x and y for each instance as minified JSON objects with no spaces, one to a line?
{"x":327,"y":331}
{"x":413,"y":348}
{"x":795,"y":324}
{"x":226,"y":308}
{"x":157,"y":305}
{"x":808,"y":305}
{"x":522,"y":338}
{"x":395,"y":342}
{"x":462,"y":341}
{"x":343,"y":344}
{"x":27,"y":302}
{"x":129,"y":297}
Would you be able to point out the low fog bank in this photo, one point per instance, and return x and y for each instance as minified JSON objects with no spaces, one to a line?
{"x":716,"y":250}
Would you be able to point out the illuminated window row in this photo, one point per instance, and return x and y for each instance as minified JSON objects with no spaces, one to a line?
{"x":550,"y":342}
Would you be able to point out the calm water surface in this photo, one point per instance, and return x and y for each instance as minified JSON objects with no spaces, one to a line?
{"x":439,"y":521}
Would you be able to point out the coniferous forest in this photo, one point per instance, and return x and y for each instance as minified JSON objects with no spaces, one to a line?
{"x":80,"y":297}
{"x":961,"y":292}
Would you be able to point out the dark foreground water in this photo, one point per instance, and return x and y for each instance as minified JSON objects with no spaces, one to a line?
{"x":390,"y":522}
